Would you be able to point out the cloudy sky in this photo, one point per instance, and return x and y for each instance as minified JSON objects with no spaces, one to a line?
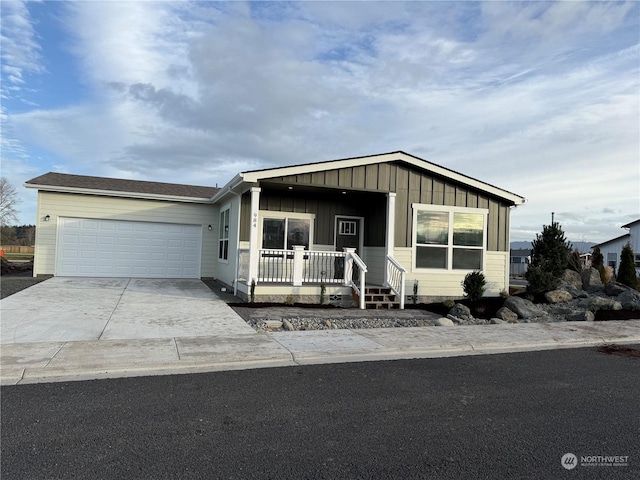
{"x":541,"y":99}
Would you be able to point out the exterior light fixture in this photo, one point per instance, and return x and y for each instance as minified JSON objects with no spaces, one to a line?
{"x":47,"y":218}
{"x":290,"y":188}
{"x":210,"y":227}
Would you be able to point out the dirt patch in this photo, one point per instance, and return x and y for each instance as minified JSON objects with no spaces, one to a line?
{"x":619,"y":350}
{"x":10,"y":284}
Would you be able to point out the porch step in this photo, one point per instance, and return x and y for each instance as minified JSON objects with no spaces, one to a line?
{"x":380,"y":298}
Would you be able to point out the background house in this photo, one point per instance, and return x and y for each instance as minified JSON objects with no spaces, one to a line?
{"x":519,"y":262}
{"x":611,"y":249}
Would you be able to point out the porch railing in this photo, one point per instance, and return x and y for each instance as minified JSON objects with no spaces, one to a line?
{"x":298,"y":266}
{"x":395,"y":278}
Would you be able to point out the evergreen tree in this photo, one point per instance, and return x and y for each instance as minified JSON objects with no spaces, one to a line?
{"x":627,"y":269}
{"x":597,"y":262}
{"x":549,"y":258}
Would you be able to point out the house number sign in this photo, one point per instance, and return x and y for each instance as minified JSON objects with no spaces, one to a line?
{"x":255,"y":219}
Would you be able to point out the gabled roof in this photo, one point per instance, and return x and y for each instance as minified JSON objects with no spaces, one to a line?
{"x":629,"y":225}
{"x":520,"y":252}
{"x":621,"y":237}
{"x":64,"y":182}
{"x":254,"y":176}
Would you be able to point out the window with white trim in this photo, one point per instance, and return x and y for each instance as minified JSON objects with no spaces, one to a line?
{"x":637,"y":260}
{"x":282,"y":231}
{"x":223,"y":235}
{"x":449,"y":238}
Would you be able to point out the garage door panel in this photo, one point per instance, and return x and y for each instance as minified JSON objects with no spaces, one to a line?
{"x":90,"y":247}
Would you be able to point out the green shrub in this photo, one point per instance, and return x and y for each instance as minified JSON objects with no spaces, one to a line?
{"x":473,"y":285}
{"x":549,"y":259}
{"x":252,"y":291}
{"x":627,"y":269}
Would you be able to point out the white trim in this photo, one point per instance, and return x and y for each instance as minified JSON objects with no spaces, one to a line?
{"x":226,"y":207}
{"x":256,"y":176}
{"x":115,"y":193}
{"x":361,"y":233}
{"x":449,"y":247}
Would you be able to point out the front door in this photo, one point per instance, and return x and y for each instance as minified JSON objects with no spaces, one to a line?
{"x":348,"y":233}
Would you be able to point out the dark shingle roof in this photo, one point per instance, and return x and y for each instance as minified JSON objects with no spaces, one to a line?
{"x":65,"y":180}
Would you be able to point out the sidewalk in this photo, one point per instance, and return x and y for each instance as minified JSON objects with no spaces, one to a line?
{"x":84,"y":360}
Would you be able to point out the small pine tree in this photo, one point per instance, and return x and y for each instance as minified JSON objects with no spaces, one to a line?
{"x":597,"y":262}
{"x":549,"y":258}
{"x":473,"y":285}
{"x":627,"y":269}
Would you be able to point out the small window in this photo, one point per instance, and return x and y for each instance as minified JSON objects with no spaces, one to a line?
{"x":637,"y":258}
{"x":347,"y":227}
{"x":223,"y":235}
{"x":612,"y":260}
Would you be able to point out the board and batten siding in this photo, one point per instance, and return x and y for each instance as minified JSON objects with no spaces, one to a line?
{"x":117,"y":208}
{"x":411,"y":185}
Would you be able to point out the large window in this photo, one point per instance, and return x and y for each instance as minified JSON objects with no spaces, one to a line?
{"x":223,"y":235}
{"x":284,"y":233}
{"x":449,"y":238}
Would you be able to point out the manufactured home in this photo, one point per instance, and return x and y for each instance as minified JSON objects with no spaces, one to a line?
{"x":375,"y":230}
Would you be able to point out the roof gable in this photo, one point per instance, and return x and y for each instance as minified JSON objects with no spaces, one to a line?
{"x":63,"y":182}
{"x":254,"y":176}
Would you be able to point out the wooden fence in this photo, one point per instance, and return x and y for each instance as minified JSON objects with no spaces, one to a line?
{"x":17,"y":249}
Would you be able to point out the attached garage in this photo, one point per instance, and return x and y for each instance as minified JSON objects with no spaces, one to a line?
{"x":106,"y":227}
{"x":109,"y":248}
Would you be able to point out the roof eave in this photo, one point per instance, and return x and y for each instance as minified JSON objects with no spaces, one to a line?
{"x":117,"y":193}
{"x":257,"y":175}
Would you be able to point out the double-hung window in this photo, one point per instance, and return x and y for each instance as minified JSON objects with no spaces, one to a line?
{"x":283,"y":232}
{"x":223,"y":235}
{"x":449,"y":238}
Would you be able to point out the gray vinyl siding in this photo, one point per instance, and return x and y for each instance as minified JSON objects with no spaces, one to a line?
{"x":410,"y":185}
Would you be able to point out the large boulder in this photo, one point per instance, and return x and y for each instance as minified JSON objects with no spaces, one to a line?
{"x":594,"y":303}
{"x":591,"y":281}
{"x":572,"y":278}
{"x":558,"y":296}
{"x":462,"y":313}
{"x":523,"y":307}
{"x":629,"y":299}
{"x":575,"y":292}
{"x":613,"y":289}
{"x":507,"y":315}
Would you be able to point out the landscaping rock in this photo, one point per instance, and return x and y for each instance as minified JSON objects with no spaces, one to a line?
{"x":287,"y":325}
{"x":273,"y":323}
{"x":613,"y":289}
{"x":558,"y":296}
{"x":581,"y":316}
{"x":575,"y":292}
{"x":461,"y":312}
{"x":629,"y":300}
{"x":497,"y":321}
{"x":507,"y":315}
{"x":591,"y":281}
{"x":522,"y":307}
{"x":444,"y":322}
{"x":572,"y":278}
{"x":595,"y":303}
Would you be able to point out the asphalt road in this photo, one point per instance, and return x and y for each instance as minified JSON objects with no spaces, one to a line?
{"x":491,"y":416}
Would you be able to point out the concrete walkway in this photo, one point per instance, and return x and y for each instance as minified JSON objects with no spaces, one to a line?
{"x":80,"y":329}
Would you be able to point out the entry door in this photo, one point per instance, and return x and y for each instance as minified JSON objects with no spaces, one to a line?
{"x":348,"y":233}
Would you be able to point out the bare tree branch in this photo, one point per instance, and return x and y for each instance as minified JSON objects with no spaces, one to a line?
{"x":8,"y":200}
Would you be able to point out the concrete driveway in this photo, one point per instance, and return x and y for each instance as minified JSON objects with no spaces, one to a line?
{"x":88,"y":309}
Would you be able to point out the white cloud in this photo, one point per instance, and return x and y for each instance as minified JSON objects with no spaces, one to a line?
{"x":538,"y":98}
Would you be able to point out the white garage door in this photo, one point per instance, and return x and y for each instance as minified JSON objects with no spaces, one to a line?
{"x":111,"y":248}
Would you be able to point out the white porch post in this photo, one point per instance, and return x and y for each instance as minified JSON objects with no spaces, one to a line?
{"x":298,"y":264}
{"x":391,"y":231}
{"x":254,"y":246}
{"x":348,"y":266}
